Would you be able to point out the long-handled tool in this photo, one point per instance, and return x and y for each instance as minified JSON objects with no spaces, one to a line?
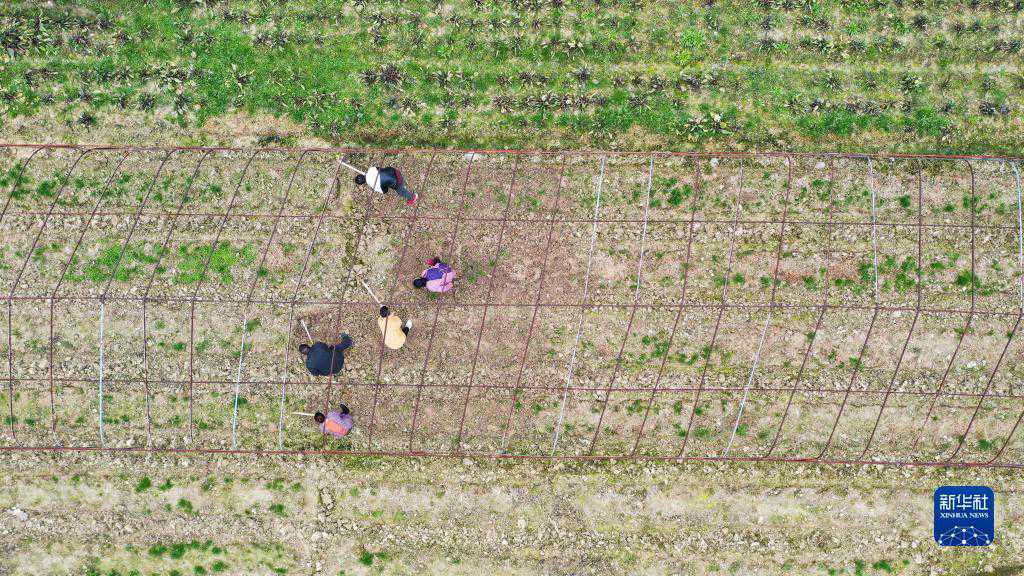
{"x":358,"y":171}
{"x":308,"y":335}
{"x":351,"y":167}
{"x":303,"y":414}
{"x":372,"y":295}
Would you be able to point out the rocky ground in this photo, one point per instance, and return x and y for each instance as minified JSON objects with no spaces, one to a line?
{"x":293,"y":243}
{"x":650,"y":76}
{"x":138,"y":515}
{"x":104,"y":514}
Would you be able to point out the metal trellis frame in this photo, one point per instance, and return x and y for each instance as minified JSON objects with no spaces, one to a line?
{"x":554,"y":255}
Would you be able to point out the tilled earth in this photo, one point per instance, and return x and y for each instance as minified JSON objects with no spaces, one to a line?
{"x":90,"y":513}
{"x":625,"y":304}
{"x":924,"y":366}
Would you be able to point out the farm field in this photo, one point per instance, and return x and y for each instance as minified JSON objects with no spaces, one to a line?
{"x":240,"y":515}
{"x":620,"y":299}
{"x":135,"y":235}
{"x":723,"y":302}
{"x":927,"y":75}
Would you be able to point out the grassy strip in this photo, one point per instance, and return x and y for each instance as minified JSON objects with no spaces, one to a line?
{"x":814,"y":75}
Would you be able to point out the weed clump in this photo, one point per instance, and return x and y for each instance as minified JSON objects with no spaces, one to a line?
{"x":196,"y":262}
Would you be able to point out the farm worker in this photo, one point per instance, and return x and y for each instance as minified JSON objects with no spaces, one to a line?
{"x":380,"y":180}
{"x":323,"y":359}
{"x":438,"y":278}
{"x":336,"y":424}
{"x":392,"y":329}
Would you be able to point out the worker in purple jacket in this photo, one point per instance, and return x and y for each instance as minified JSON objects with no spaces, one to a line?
{"x":438,"y":278}
{"x":336,"y":424}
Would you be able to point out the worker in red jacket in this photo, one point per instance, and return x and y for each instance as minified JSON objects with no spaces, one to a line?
{"x":336,"y":423}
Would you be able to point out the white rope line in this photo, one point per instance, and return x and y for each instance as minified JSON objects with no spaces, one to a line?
{"x":583,"y":311}
{"x":750,"y":380}
{"x":643,"y":234}
{"x":145,"y":369}
{"x":760,"y":346}
{"x":238,"y":385}
{"x":103,"y":310}
{"x":1020,"y":234}
{"x":245,"y":320}
{"x":643,"y":245}
{"x":284,"y":382}
{"x":636,"y":290}
{"x":334,"y":183}
{"x":874,"y":234}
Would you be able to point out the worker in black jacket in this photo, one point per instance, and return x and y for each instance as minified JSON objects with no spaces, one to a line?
{"x":324,"y":359}
{"x":380,"y":180}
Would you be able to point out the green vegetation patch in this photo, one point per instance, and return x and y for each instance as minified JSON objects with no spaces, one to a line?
{"x":194,"y":557}
{"x":117,"y":261}
{"x":804,"y":75}
{"x":196,"y":262}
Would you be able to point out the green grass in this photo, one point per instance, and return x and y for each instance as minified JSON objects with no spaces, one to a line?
{"x":194,"y":557}
{"x":821,"y":75}
{"x":185,"y":506}
{"x":196,"y":262}
{"x":117,"y":262}
{"x":883,"y":565}
{"x":367,"y":558}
